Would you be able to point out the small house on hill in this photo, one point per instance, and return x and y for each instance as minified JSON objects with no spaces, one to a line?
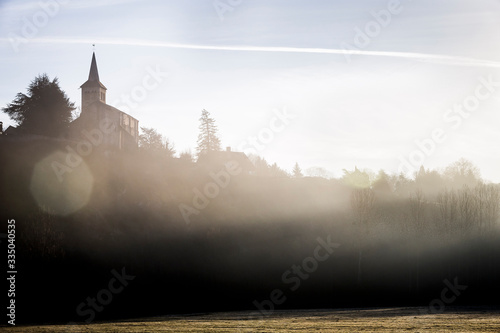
{"x":216,"y":160}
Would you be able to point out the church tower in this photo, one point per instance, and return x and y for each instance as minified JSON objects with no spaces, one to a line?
{"x":92,"y":90}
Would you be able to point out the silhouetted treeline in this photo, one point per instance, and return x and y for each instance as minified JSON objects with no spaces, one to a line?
{"x":399,"y":238}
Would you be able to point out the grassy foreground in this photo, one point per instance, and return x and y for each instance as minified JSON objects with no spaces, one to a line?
{"x":350,"y":320}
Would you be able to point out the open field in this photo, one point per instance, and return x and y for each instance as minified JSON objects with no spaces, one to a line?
{"x":349,"y":320}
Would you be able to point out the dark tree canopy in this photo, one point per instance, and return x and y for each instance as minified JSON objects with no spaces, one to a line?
{"x":45,"y":109}
{"x":207,"y":139}
{"x":186,"y":156}
{"x":153,"y":141}
{"x":356,"y":178}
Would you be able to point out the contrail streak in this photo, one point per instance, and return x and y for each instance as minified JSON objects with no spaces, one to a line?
{"x":433,"y":58}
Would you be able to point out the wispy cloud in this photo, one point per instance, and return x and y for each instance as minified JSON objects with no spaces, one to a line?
{"x":16,"y":7}
{"x":98,"y":3}
{"x":432,"y":58}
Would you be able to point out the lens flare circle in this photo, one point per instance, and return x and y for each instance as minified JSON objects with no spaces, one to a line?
{"x":59,"y":188}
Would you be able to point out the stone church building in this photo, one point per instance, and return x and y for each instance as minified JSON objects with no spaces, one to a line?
{"x":122,"y":130}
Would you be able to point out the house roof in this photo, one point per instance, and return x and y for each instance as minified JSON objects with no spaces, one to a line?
{"x":221,"y":157}
{"x":93,"y":80}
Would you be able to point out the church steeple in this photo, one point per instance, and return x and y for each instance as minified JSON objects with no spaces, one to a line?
{"x":93,"y":74}
{"x":93,"y":90}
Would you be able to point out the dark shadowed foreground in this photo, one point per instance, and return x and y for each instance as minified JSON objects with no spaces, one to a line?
{"x":352,"y":320}
{"x":125,"y":235}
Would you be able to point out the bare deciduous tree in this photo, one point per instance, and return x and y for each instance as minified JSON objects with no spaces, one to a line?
{"x":362,"y":200}
{"x":417,"y":227}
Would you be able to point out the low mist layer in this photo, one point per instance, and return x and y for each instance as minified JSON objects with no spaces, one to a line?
{"x":139,"y":233}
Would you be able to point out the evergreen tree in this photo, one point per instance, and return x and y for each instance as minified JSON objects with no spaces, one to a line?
{"x":297,"y":172}
{"x":356,"y":178}
{"x":261,"y":165}
{"x":276,"y":171}
{"x":186,"y":156}
{"x":45,"y":109}
{"x":151,"y":140}
{"x":207,"y":139}
{"x":382,"y":185}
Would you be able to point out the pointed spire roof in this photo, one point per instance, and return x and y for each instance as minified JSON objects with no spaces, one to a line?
{"x":93,"y":75}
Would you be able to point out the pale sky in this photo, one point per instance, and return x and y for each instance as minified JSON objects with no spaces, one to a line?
{"x":248,"y":59}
